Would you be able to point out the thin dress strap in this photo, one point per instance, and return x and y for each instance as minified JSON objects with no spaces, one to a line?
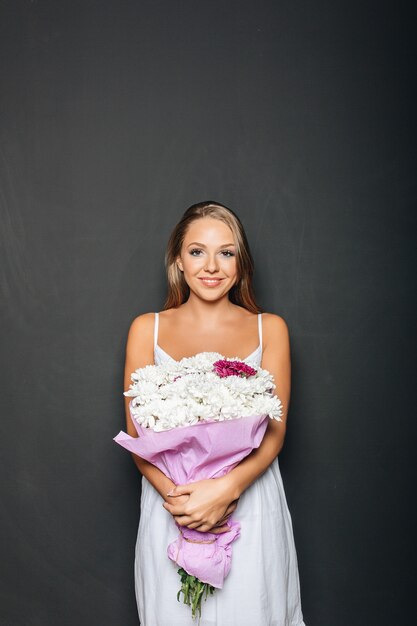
{"x":155,"y":332}
{"x":260,"y":329}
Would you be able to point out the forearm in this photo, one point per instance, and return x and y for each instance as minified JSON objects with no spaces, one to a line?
{"x":154,"y":475}
{"x":257,"y":462}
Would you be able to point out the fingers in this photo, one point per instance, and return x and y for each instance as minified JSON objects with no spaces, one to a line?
{"x":193,"y":525}
{"x":173,"y":508}
{"x":229,"y":511}
{"x":205,"y":528}
{"x":217,"y":531}
{"x":220,"y":524}
{"x":222,"y":520}
{"x":185,"y":520}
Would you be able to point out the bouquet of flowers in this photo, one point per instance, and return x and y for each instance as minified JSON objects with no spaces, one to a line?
{"x":197,"y":418}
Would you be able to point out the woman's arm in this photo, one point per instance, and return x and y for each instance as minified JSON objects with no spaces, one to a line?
{"x":139,"y":353}
{"x":208,"y":498}
{"x":277,"y":360}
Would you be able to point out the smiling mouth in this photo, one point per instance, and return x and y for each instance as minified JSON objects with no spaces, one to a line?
{"x":211,"y":282}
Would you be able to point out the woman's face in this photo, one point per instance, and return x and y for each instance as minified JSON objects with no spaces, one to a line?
{"x":208,"y":258}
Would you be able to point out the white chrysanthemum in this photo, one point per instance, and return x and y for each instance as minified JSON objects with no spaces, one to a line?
{"x":149,"y":372}
{"x":182,"y":393}
{"x":203,"y":412}
{"x":201,"y":362}
{"x":148,"y":390}
{"x":271,"y":405}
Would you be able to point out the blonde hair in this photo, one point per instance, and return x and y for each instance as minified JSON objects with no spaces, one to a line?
{"x":178,"y":291}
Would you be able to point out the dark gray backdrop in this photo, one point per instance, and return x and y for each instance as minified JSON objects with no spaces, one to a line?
{"x":115,"y":117}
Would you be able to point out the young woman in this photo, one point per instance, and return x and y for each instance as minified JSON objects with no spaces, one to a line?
{"x":211,"y":307}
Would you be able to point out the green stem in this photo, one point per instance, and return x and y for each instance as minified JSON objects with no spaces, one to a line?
{"x":193,"y":590}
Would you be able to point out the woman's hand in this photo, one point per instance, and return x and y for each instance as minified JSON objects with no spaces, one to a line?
{"x":208,"y":506}
{"x":182,"y":499}
{"x":221,"y":526}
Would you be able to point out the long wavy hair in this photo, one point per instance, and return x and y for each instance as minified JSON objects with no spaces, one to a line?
{"x":241,"y":293}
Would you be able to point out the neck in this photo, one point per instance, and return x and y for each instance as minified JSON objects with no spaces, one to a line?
{"x":209,"y":313}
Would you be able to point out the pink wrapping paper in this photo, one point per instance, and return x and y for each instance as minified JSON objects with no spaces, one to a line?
{"x":191,"y":453}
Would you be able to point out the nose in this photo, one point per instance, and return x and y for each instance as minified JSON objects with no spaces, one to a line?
{"x":211,"y":264}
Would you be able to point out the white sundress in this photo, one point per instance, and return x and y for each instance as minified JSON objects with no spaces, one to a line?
{"x":262,"y":587}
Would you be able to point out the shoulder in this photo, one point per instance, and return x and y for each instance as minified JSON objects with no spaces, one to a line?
{"x":140,"y":334}
{"x":275,"y":329}
{"x":142,"y":323}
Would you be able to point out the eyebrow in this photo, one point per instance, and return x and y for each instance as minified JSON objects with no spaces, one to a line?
{"x":224,"y":245}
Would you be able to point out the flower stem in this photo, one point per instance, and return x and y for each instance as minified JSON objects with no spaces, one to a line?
{"x":193,"y":590}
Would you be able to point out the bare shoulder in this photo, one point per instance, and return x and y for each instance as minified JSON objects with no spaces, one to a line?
{"x":142,"y":323}
{"x":140,"y":335}
{"x":276,"y":333}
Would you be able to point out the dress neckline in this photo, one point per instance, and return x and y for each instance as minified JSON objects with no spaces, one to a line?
{"x":250,"y":356}
{"x":157,"y":346}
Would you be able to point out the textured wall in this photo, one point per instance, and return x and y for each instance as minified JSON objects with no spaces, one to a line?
{"x":115,"y":116}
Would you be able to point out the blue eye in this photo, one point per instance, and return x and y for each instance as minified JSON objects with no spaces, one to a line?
{"x":226,"y":253}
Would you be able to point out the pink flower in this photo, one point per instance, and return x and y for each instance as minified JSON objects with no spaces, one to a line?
{"x":224,"y":368}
